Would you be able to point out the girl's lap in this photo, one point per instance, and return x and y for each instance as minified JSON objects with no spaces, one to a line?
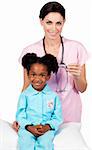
{"x":68,"y":138}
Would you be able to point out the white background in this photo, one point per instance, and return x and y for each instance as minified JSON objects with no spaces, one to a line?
{"x":19,"y":27}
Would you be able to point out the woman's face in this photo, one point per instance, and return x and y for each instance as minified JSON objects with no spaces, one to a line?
{"x":52,"y":25}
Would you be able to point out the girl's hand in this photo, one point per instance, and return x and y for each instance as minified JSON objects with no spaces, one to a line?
{"x":15,"y":126}
{"x":44,"y":128}
{"x":34,"y":130}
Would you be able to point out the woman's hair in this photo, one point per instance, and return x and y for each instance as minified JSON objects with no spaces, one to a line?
{"x":48,"y":60}
{"x":52,"y":7}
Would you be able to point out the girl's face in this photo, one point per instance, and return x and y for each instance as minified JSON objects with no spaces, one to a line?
{"x":52,"y":25}
{"x":38,"y":76}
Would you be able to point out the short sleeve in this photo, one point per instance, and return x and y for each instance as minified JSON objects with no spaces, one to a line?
{"x":29,"y":49}
{"x":24,"y":51}
{"x":82,"y":54}
{"x":32,"y":48}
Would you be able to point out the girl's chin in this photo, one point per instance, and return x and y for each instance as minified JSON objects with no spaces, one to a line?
{"x":38,"y":88}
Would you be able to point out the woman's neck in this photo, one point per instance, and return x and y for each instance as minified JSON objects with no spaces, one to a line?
{"x":52,"y":45}
{"x":53,"y":42}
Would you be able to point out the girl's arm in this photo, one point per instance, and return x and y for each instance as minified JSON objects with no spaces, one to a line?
{"x":26,"y":83}
{"x":21,"y":115}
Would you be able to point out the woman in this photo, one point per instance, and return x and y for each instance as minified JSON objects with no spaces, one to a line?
{"x":73,"y":55}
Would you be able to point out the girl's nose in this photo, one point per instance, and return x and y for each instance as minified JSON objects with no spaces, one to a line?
{"x":38,"y":79}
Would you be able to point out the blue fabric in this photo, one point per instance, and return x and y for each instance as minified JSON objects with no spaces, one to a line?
{"x":28,"y":141}
{"x":35,"y":108}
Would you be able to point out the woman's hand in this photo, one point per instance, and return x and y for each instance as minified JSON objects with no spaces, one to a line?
{"x":15,"y":126}
{"x":79,"y":75}
{"x":75,"y":70}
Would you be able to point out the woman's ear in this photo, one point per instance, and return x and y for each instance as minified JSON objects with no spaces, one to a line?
{"x":64,"y":21}
{"x":41,"y":22}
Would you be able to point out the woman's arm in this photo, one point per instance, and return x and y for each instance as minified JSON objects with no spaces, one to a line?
{"x":79,"y":74}
{"x":26,"y":80}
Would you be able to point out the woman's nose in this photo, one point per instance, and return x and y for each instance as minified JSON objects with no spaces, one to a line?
{"x":53,"y":29}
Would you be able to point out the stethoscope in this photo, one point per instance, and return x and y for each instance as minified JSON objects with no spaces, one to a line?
{"x":61,"y":65}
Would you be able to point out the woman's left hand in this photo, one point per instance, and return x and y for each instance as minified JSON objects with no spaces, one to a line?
{"x":79,"y":74}
{"x":74,"y":70}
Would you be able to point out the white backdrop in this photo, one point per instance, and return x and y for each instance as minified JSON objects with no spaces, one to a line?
{"x":20,"y":26}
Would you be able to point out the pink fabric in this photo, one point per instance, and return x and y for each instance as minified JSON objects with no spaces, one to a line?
{"x":74,"y":53}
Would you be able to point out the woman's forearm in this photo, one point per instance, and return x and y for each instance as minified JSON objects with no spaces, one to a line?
{"x":80,"y":84}
{"x":26,"y":80}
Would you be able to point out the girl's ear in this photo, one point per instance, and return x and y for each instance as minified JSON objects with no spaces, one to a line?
{"x":48,"y":77}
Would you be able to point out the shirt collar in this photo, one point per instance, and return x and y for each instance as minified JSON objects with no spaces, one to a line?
{"x":45,"y":90}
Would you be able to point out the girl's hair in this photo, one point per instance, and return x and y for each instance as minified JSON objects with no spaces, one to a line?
{"x":48,"y":60}
{"x":52,"y":7}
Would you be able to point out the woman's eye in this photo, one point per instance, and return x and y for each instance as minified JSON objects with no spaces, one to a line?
{"x":48,"y":22}
{"x":59,"y":23}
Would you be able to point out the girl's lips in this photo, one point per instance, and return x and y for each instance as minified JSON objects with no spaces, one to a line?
{"x":37,"y":84}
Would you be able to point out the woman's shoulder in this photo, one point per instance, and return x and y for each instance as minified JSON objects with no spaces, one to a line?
{"x":32,"y":48}
{"x":34,"y":45}
{"x":72,"y":42}
{"x":74,"y":45}
{"x":75,"y":51}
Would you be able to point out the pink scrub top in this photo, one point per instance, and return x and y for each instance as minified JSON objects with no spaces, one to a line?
{"x":74,"y":53}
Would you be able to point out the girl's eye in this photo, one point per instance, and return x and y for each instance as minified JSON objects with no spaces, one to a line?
{"x":43,"y":75}
{"x":33,"y":74}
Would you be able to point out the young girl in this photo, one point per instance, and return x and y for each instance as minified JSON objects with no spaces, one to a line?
{"x":39,"y":109}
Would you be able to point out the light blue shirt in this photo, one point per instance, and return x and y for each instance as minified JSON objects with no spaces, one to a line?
{"x":36,"y":107}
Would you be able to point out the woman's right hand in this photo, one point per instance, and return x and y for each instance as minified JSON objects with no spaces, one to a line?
{"x":15,"y":126}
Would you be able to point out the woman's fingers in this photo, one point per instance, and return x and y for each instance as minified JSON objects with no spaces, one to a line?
{"x":74,"y":69}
